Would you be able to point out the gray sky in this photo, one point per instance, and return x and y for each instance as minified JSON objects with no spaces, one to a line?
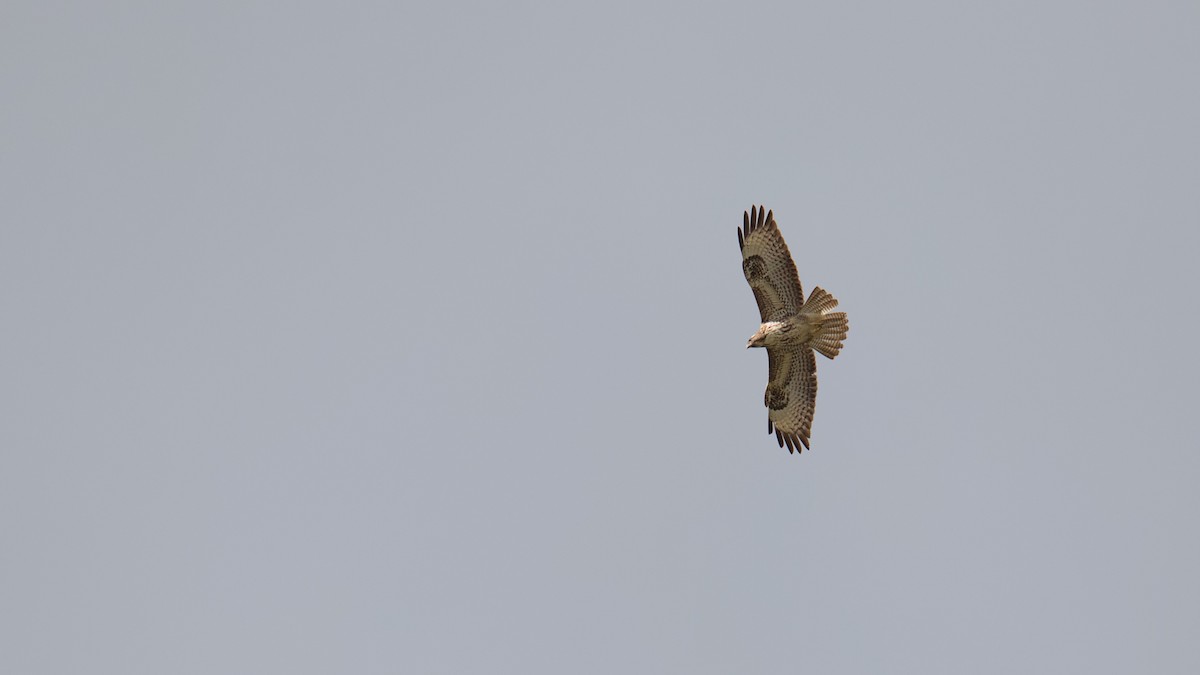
{"x":397,"y":338}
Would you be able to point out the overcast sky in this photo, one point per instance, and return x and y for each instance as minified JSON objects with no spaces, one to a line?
{"x":409,"y":338}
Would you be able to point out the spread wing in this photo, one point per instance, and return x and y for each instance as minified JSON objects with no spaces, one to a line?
{"x":791,"y":395}
{"x":768,"y":266}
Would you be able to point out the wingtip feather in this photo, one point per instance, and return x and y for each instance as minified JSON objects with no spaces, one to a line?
{"x":754,"y":219}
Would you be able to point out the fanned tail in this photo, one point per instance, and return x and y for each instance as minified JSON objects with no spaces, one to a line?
{"x":828,"y":340}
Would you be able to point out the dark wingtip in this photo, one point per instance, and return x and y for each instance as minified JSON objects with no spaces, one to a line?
{"x":754,"y":219}
{"x":741,"y":240}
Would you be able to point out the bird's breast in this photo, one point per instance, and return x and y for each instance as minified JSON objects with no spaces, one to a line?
{"x":795,"y":331}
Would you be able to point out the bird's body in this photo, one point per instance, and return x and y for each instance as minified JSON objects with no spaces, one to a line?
{"x":792,"y":328}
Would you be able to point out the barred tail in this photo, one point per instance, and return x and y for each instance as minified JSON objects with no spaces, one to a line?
{"x":828,"y":340}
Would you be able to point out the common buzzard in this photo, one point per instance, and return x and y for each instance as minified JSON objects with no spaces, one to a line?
{"x":791,"y":329}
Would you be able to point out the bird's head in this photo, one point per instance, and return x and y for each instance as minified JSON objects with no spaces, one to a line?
{"x":768,"y":333}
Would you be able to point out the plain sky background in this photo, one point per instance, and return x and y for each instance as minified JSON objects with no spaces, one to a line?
{"x":409,"y":338}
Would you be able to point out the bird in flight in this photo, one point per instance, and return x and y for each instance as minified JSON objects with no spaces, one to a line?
{"x":792,"y":328}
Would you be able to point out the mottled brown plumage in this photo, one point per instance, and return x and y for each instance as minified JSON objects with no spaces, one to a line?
{"x":791,"y":328}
